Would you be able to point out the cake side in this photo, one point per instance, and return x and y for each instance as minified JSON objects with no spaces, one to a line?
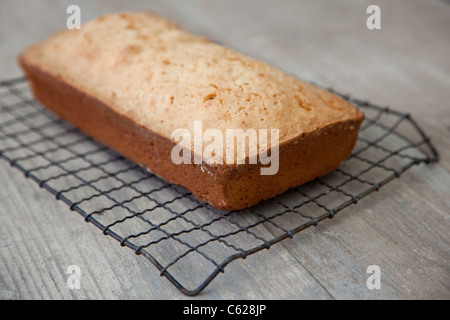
{"x":302,"y":160}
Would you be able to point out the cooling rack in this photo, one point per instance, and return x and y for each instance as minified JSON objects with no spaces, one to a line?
{"x":190,"y":242}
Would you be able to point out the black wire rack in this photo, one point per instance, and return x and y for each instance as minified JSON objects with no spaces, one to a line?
{"x":188,"y":241}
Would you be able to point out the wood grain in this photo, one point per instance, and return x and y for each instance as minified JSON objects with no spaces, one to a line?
{"x":403,"y":228}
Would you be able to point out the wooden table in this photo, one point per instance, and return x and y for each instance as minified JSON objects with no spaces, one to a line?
{"x":404,"y":228}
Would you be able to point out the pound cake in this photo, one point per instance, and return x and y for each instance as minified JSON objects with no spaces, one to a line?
{"x":130,"y":80}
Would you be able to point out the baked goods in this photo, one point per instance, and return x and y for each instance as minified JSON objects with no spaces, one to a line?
{"x":130,"y":80}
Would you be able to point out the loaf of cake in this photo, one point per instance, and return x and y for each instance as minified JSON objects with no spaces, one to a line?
{"x":142,"y":85}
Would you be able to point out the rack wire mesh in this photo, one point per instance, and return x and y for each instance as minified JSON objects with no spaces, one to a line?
{"x":188,"y":241}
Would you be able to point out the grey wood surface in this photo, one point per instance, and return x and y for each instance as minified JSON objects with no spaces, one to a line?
{"x":404,"y":228}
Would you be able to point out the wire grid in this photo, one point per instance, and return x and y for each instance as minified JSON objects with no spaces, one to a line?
{"x":188,"y":241}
